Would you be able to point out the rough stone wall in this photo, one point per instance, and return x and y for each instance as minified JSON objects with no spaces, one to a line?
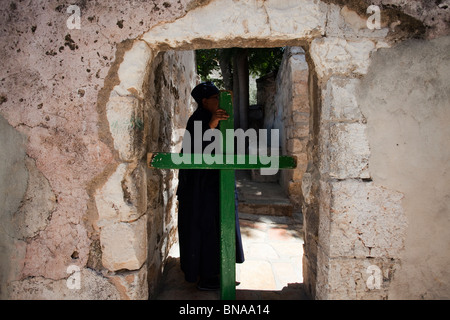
{"x":265,"y":89}
{"x":341,"y":235}
{"x":172,"y":77}
{"x":288,"y":111}
{"x":137,"y":205}
{"x":357,"y":226}
{"x":66,"y":91}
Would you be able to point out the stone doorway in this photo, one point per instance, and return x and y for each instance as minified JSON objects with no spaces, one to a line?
{"x":338,"y":53}
{"x":171,"y":77}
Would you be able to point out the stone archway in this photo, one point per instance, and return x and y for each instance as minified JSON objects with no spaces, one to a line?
{"x":341,"y":239}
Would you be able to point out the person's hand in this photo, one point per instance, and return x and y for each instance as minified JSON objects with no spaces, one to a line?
{"x":218,"y":115}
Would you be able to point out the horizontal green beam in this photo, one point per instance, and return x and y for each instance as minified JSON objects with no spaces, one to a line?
{"x":163,"y":160}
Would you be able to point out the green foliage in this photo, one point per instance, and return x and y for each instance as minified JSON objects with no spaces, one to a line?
{"x":261,"y":61}
{"x":207,"y":61}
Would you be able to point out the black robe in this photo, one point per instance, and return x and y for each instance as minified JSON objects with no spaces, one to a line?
{"x":199,"y":213}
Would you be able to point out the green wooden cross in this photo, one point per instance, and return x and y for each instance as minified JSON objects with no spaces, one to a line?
{"x":163,"y":160}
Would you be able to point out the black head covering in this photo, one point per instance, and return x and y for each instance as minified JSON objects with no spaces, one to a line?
{"x":204,"y":90}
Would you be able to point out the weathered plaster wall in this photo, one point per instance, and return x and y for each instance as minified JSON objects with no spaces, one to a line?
{"x":54,"y":86}
{"x":405,"y":97}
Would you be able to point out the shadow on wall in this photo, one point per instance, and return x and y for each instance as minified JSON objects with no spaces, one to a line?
{"x":13,"y":184}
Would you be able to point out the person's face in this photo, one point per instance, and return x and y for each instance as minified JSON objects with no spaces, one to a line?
{"x":212,"y":103}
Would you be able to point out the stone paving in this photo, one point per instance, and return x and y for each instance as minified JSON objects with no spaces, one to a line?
{"x":272,"y":269}
{"x":273,"y":248}
{"x":273,"y":253}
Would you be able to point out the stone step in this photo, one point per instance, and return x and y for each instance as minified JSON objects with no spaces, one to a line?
{"x":262,"y":198}
{"x":276,"y":208}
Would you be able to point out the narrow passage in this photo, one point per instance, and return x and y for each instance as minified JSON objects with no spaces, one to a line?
{"x":272,"y":237}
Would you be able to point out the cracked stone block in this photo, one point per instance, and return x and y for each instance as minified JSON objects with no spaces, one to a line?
{"x":134,"y":70}
{"x":339,"y":101}
{"x":87,"y":285}
{"x":281,"y":19}
{"x":232,"y":19}
{"x":353,"y":278}
{"x":360,"y":219}
{"x":306,"y":16}
{"x":124,"y":245}
{"x":131,"y":285}
{"x":346,"y":23}
{"x":126,"y":123}
{"x":123,"y":197}
{"x":345,"y":151}
{"x":340,"y":56}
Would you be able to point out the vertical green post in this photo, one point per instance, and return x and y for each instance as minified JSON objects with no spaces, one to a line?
{"x":227,"y":211}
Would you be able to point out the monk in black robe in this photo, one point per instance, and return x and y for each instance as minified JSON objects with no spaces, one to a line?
{"x":198,"y":198}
